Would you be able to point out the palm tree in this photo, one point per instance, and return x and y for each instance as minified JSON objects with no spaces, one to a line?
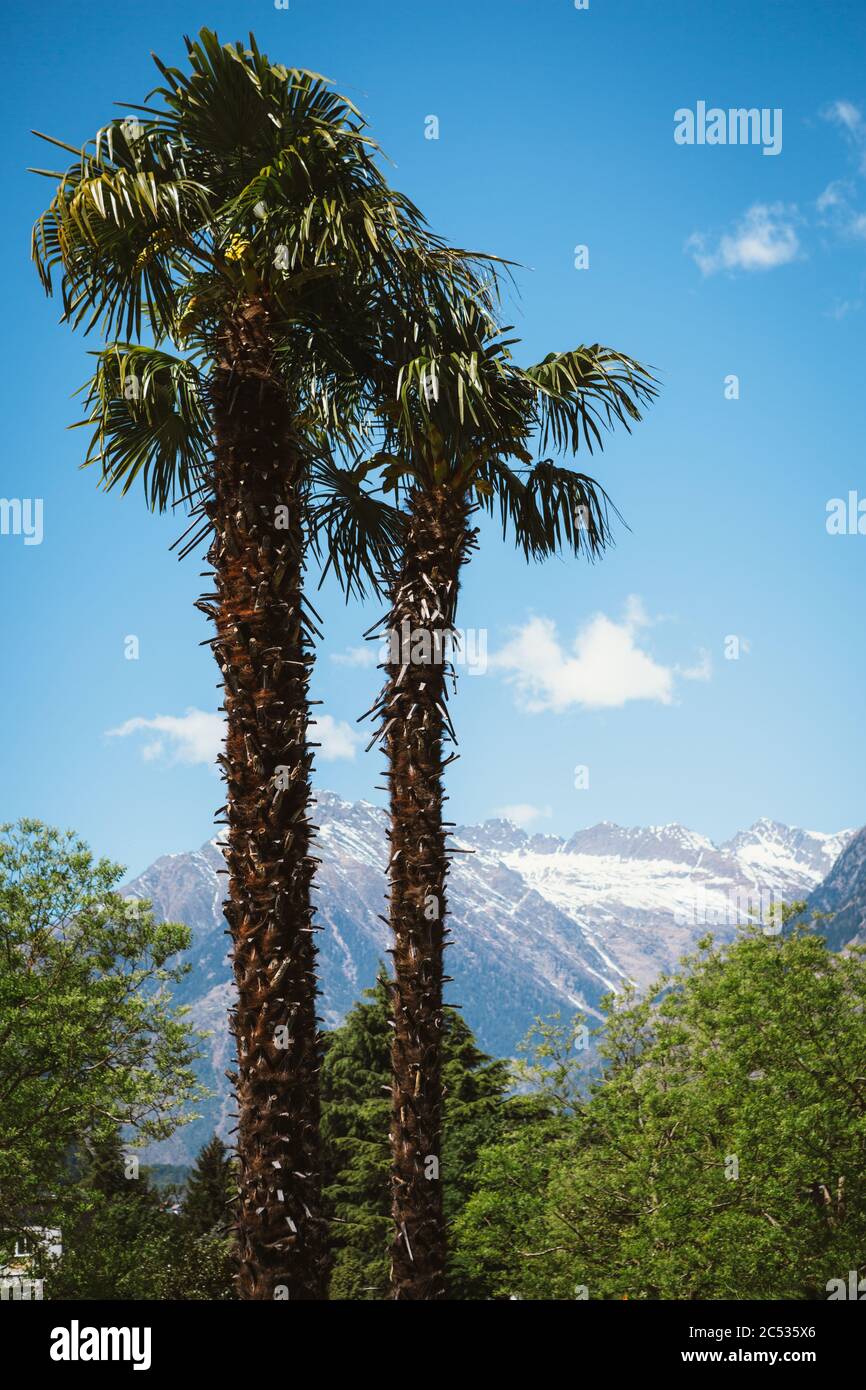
{"x":211,"y":239}
{"x":456,"y":412}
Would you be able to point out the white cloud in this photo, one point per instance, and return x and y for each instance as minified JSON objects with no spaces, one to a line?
{"x":523,"y":814}
{"x":767,"y":234}
{"x":364,"y":655}
{"x":195,"y":738}
{"x":841,"y":309}
{"x":762,"y":239}
{"x":702,"y":669}
{"x":835,"y":195}
{"x":836,"y":211}
{"x":850,"y":118}
{"x":846,"y":114}
{"x":605,"y":669}
{"x":338,"y":739}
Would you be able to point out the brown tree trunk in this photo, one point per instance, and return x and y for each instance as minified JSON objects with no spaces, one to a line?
{"x":414,"y":729}
{"x":263,"y":649}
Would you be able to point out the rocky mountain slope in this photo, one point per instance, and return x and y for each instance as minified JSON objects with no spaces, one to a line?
{"x":538,"y":923}
{"x":842,"y":896}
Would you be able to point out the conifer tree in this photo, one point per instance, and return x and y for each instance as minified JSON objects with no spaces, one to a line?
{"x":355,"y":1122}
{"x":210,"y":1191}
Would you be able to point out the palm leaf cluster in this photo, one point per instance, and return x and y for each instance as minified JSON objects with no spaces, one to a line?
{"x":457,"y":411}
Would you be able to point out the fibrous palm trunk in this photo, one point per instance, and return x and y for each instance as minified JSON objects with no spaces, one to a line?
{"x":415,"y":728}
{"x":263,"y":649}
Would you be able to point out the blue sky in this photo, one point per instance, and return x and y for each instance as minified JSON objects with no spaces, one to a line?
{"x":556,"y":130}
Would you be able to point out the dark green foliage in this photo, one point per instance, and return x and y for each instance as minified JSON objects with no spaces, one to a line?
{"x":355,"y":1110}
{"x":356,"y":1107}
{"x":106,"y":1214}
{"x":168,"y":1178}
{"x":210,"y":1191}
{"x":121,"y":1240}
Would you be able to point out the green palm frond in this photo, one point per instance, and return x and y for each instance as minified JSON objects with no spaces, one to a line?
{"x":285,"y":155}
{"x":121,"y":228}
{"x":149,"y":423}
{"x":574,"y":510}
{"x":240,"y":152}
{"x":452,"y":405}
{"x":548,"y":508}
{"x":458,"y":411}
{"x":242,"y":109}
{"x":582,"y":392}
{"x":504,"y":487}
{"x":354,"y":532}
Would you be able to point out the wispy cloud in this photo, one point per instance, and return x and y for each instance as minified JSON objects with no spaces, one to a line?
{"x":837,"y":210}
{"x":768,"y":234}
{"x":364,"y":655}
{"x":848,"y":115}
{"x":764,"y":238}
{"x":835,"y":195}
{"x":837,"y":204}
{"x":702,"y":669}
{"x":842,"y":308}
{"x":523,"y":814}
{"x":606,"y":666}
{"x":196,"y":737}
{"x":850,"y":118}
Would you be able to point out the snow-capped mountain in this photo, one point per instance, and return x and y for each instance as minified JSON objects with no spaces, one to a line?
{"x":643,"y":896}
{"x":842,"y":897}
{"x":538,"y":923}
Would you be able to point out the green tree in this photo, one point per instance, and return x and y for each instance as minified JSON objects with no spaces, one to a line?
{"x":107,"y":1213}
{"x":460,"y":421}
{"x":504,"y":1222}
{"x":720,"y":1156}
{"x":89,"y":1039}
{"x":210,"y":238}
{"x":121,"y":1241}
{"x":211,"y":1190}
{"x":356,"y":1106}
{"x":502,"y":1236}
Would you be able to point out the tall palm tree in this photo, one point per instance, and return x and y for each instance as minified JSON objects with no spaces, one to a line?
{"x":458,"y":413}
{"x":211,"y":239}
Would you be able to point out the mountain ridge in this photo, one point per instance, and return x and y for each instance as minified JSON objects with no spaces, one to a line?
{"x":842,"y":897}
{"x":539,"y":923}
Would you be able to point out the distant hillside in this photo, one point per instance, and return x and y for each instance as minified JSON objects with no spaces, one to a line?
{"x":167,"y":1177}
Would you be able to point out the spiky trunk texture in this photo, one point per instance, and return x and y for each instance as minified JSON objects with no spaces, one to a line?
{"x":263,"y":648}
{"x":415,"y":728}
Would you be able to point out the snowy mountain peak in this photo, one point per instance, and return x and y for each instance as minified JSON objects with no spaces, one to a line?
{"x":787,"y":851}
{"x":495,"y":834}
{"x":673,"y":841}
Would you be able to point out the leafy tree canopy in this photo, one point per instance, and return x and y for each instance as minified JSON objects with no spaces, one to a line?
{"x":721,"y":1155}
{"x":89,"y":1039}
{"x":122,"y":1240}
